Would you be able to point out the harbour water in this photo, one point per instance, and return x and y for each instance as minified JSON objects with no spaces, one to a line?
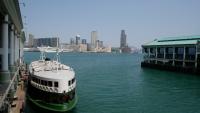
{"x":115,"y":83}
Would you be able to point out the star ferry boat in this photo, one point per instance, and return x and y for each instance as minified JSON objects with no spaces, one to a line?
{"x":52,"y":85}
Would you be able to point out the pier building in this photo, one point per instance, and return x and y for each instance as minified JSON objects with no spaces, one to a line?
{"x":173,"y":53}
{"x":11,"y":49}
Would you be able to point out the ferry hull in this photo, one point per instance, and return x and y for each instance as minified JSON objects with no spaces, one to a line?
{"x":54,"y":107}
{"x":37,"y":97}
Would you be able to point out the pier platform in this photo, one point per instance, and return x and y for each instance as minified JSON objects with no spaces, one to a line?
{"x":12,"y":94}
{"x":18,"y":103}
{"x":189,"y":70}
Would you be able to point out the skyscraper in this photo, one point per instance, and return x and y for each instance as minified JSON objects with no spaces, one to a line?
{"x":78,"y":39}
{"x":84,"y":41}
{"x":93,"y":39}
{"x":123,"y":39}
{"x":123,"y":45}
{"x":72,"y":42}
{"x":30,"y":40}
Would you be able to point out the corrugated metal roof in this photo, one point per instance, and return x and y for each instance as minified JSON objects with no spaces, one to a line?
{"x":192,"y":37}
{"x":162,"y":43}
{"x":181,"y":40}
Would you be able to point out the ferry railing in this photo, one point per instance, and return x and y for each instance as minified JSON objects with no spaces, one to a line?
{"x":4,"y":96}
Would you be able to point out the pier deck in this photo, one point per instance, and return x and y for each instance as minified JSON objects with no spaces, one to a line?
{"x":18,"y":104}
{"x":19,"y":100}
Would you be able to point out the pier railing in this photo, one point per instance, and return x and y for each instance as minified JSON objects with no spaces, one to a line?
{"x":5,"y":94}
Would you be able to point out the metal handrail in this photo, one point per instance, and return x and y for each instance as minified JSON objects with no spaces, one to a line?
{"x":8,"y":89}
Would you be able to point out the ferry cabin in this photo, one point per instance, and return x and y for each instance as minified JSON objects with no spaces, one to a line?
{"x":51,"y":85}
{"x":179,"y":52}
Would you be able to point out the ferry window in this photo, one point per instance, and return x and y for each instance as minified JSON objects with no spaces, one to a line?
{"x":69,"y":83}
{"x":36,"y":80}
{"x":73,"y":80}
{"x":50,"y":83}
{"x":55,"y":84}
{"x":42,"y":82}
{"x":33,"y":79}
{"x":45,"y":83}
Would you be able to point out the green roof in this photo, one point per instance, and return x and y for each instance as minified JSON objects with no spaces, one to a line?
{"x":192,"y":37}
{"x":184,"y":40}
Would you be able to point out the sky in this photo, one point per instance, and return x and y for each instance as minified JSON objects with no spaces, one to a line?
{"x":142,"y":20}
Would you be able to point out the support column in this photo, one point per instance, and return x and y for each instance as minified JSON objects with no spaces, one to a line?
{"x":164,"y":54}
{"x":19,"y":51}
{"x":12,"y":44}
{"x":5,"y":75}
{"x":5,"y":44}
{"x":174,"y":56}
{"x":196,"y":55}
{"x":156,"y":54}
{"x":148,"y":55}
{"x":184,"y":56}
{"x":11,"y":65}
{"x":16,"y":48}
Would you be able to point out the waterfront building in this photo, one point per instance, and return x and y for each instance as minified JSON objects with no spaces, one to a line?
{"x":82,"y":48}
{"x":99,"y":44}
{"x":12,"y":40}
{"x":173,"y":53}
{"x":84,"y":41}
{"x":52,"y":42}
{"x":123,"y":39}
{"x":72,"y":42}
{"x":94,"y":39}
{"x":123,"y":44}
{"x":78,"y":39}
{"x":30,"y":40}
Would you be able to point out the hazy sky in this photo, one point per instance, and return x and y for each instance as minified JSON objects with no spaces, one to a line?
{"x":143,"y":20}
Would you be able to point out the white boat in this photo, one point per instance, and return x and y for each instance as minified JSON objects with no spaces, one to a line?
{"x":52,"y":85}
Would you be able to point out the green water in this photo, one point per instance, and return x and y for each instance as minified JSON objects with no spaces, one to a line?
{"x":115,"y":83}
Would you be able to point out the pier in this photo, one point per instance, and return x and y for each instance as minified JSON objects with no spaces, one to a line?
{"x":12,"y":40}
{"x":173,"y":53}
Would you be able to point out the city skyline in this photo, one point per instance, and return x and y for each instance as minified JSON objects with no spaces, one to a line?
{"x":143,"y":20}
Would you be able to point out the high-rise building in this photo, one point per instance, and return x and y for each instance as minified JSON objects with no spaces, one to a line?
{"x":78,"y":39}
{"x":123,"y":45}
{"x":30,"y":40}
{"x":72,"y":42}
{"x":123,"y":39}
{"x":94,"y":39}
{"x":101,"y":44}
{"x":84,"y":41}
